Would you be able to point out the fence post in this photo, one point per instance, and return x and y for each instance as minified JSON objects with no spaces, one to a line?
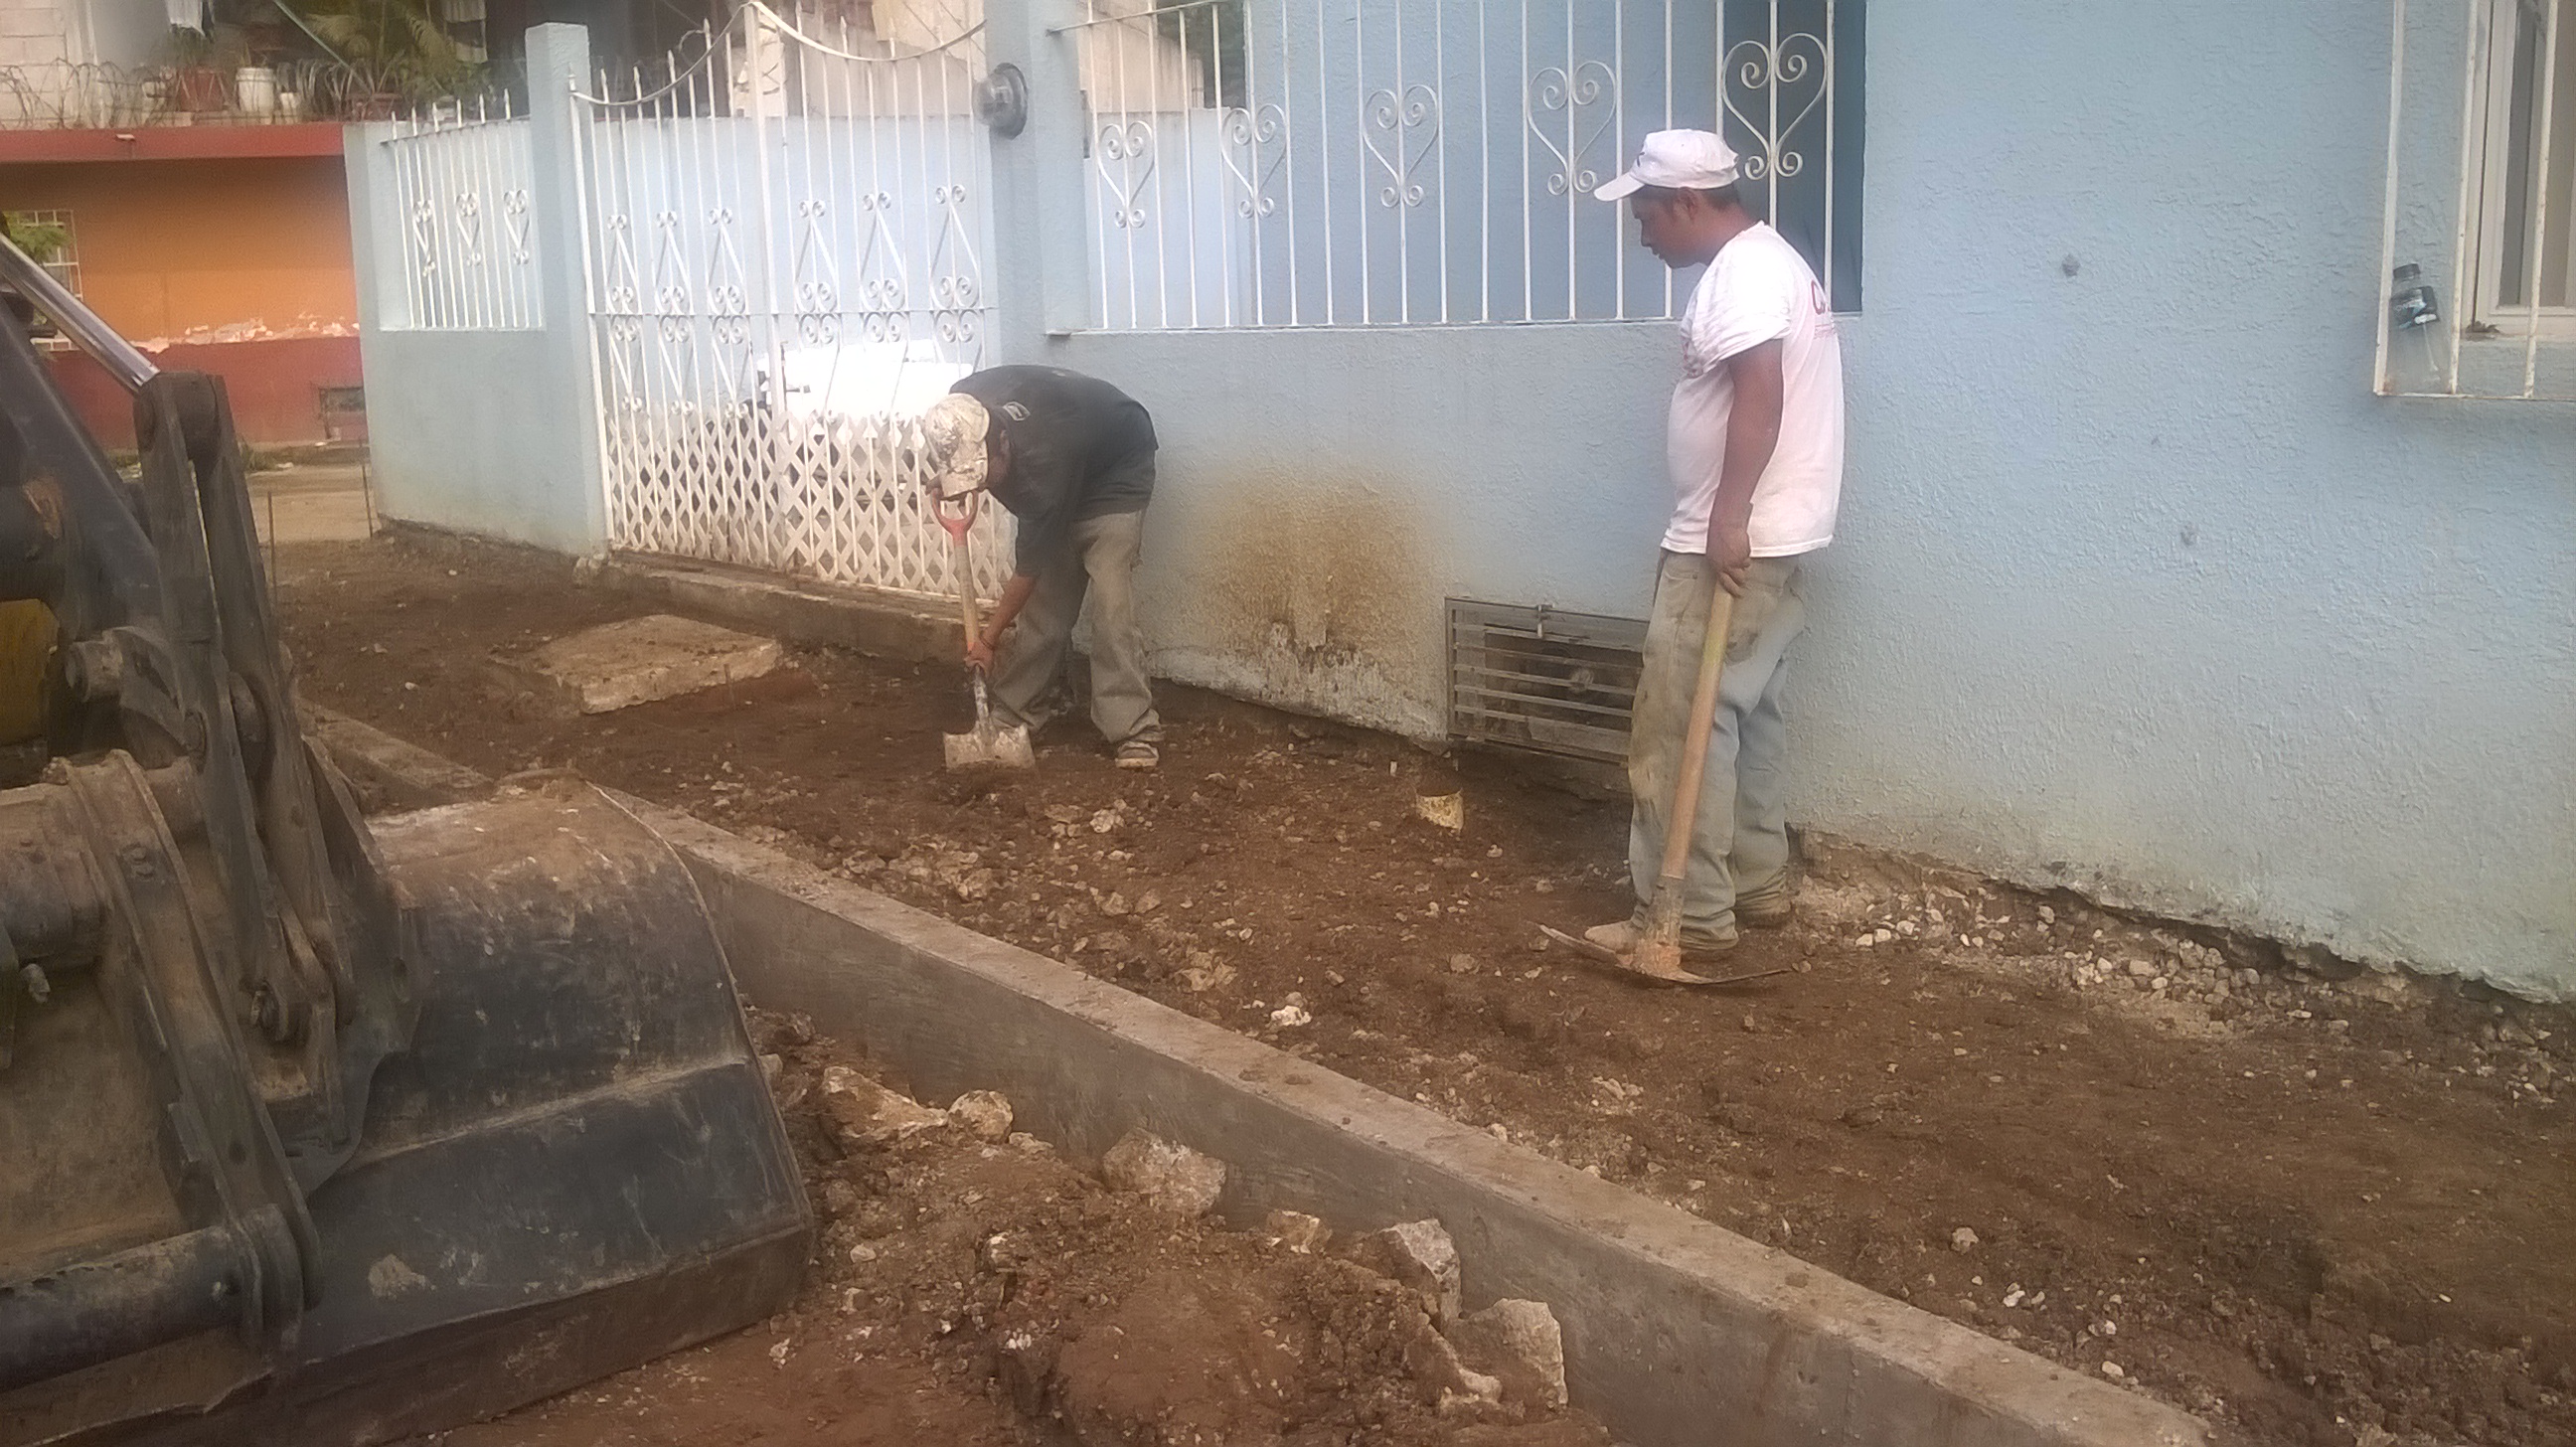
{"x":375,"y":231}
{"x":1041,"y":227}
{"x":558,"y":65}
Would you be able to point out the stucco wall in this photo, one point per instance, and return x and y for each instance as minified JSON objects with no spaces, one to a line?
{"x":204,"y":250}
{"x":1321,"y":492}
{"x":2139,"y":587}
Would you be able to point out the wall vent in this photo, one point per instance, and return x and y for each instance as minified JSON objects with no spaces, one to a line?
{"x":1542,"y":679}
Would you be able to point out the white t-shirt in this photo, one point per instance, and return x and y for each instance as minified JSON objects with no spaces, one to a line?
{"x":1758,"y":290}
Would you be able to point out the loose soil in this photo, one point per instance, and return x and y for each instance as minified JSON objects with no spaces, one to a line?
{"x":2316,"y":1210}
{"x":981,"y":1293}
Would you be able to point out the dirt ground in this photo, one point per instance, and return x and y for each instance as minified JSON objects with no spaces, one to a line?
{"x":2316,"y":1210}
{"x":974,"y":1290}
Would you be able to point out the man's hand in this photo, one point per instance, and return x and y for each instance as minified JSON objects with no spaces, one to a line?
{"x":979,"y":654}
{"x":1730,"y":551}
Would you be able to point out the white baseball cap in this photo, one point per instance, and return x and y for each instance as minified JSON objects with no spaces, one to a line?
{"x":953,"y":452}
{"x":1676,"y":160}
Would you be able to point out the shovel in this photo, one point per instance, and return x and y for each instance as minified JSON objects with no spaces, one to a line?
{"x":990,"y":746}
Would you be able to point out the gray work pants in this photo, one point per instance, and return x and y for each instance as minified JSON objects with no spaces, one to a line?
{"x":1100,"y":559}
{"x":1740,"y":839}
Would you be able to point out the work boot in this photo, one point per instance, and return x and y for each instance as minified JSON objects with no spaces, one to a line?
{"x":1620,"y":937}
{"x":1766,"y":909}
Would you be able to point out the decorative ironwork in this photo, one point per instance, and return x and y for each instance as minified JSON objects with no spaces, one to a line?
{"x":816,"y":278}
{"x":1763,"y":71}
{"x":1308,"y":163}
{"x":515,"y":218}
{"x":1418,"y":109}
{"x":1591,"y":87}
{"x":465,"y":271}
{"x":1247,"y":134}
{"x":1126,"y":154}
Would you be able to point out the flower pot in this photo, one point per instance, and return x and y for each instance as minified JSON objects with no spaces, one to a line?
{"x":255,"y":90}
{"x":201,"y":88}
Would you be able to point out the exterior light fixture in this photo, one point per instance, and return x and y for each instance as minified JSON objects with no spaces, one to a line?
{"x":1002,"y":101}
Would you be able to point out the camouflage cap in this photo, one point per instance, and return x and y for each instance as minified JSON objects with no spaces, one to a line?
{"x":953,"y":456}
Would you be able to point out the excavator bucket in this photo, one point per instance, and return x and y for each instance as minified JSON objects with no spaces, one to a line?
{"x":316,"y":1129}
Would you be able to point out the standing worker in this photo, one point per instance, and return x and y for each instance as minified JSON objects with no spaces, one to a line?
{"x":1073,"y":459}
{"x":1755,"y":447}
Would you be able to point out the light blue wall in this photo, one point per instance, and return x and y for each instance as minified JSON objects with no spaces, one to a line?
{"x":2140,"y":588}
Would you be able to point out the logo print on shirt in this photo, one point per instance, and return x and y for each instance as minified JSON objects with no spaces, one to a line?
{"x":1017,"y":412}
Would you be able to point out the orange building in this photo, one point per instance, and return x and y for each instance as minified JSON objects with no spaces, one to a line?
{"x":221,"y":248}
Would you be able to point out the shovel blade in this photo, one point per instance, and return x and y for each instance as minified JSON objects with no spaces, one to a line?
{"x":990,"y":746}
{"x":1643,"y":966}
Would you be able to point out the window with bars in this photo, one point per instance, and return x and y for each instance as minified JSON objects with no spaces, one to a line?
{"x":1262,"y":163}
{"x":47,"y":238}
{"x":2478,"y":242}
{"x":2527,"y":192}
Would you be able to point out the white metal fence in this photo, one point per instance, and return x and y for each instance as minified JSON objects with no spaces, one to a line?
{"x":2482,"y":294}
{"x":1410,"y":162}
{"x":461,"y":181}
{"x":783,"y":254}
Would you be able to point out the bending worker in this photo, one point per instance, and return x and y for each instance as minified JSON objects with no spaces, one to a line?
{"x":1755,"y":447}
{"x":1073,"y":459}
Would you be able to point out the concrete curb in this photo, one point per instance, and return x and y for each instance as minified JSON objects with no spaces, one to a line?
{"x":387,"y":773}
{"x":1676,"y":1331}
{"x":798,"y":613}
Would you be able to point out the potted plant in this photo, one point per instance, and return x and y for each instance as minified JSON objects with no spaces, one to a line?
{"x":196,"y":82}
{"x":390,"y":52}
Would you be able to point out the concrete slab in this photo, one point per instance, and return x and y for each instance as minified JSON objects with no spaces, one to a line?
{"x":619,"y":665}
{"x":1675,"y":1331}
{"x":877,"y":624}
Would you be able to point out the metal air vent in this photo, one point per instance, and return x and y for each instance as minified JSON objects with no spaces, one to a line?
{"x":1544,"y":680}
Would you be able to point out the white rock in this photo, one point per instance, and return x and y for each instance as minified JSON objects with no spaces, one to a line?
{"x":1172,"y":1177}
{"x":1288,"y":1017}
{"x":1522,"y":1340}
{"x":1963,"y":1240}
{"x":1298,"y":1231}
{"x":866,"y":1113}
{"x":987,"y":1113}
{"x":1420,"y":1256}
{"x":1434,"y":1362}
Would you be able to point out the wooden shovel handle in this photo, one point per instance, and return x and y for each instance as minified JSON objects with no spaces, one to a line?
{"x":966,"y":579}
{"x":1703,"y":720}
